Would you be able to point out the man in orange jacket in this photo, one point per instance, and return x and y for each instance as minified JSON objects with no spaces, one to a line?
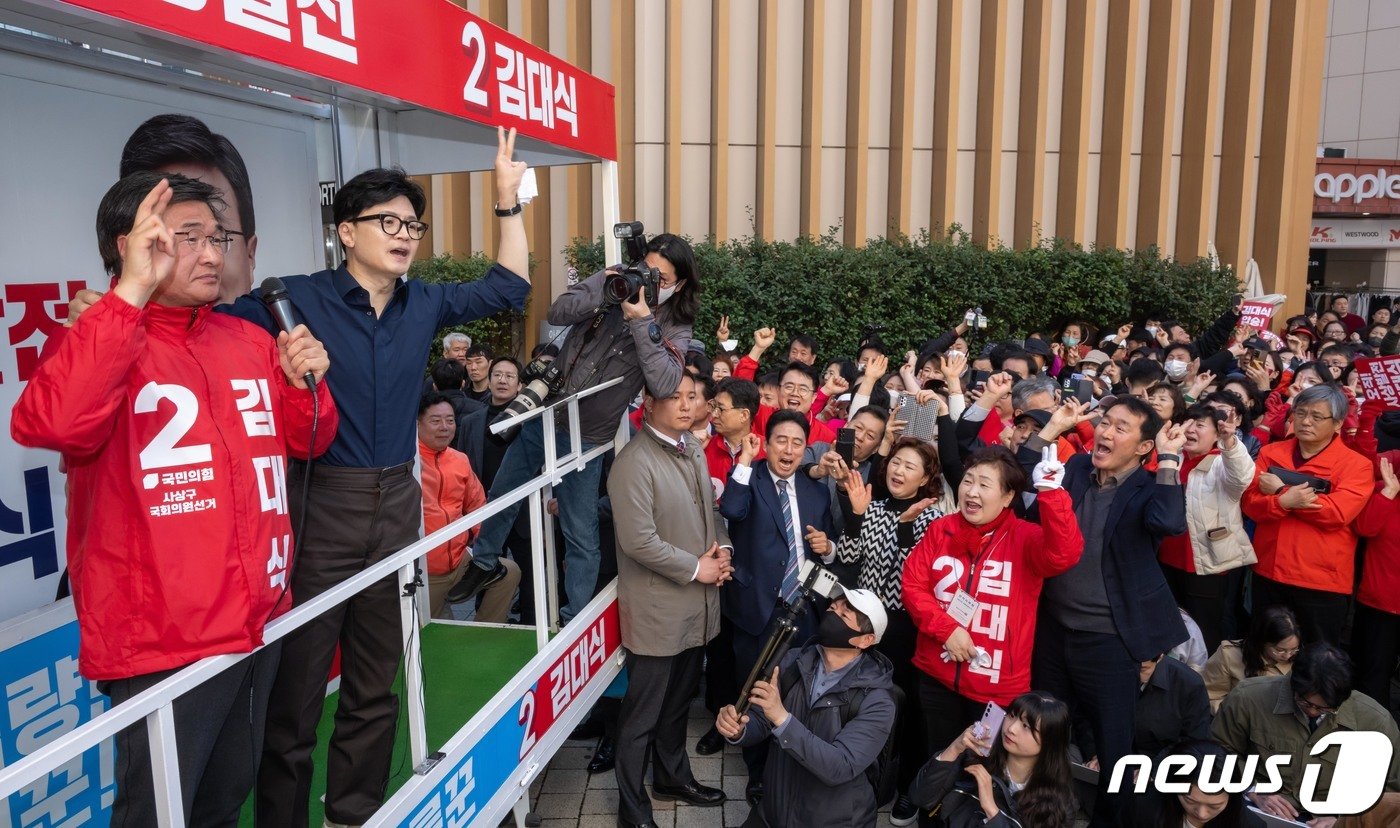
{"x":450,"y":490}
{"x":1305,"y":540}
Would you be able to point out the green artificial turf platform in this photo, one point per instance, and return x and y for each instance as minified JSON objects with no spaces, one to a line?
{"x":463,"y":668}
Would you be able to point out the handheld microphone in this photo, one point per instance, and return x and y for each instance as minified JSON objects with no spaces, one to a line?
{"x":279,"y":304}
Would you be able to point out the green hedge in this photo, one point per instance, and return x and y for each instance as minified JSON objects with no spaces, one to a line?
{"x":919,"y":287}
{"x":501,"y":332}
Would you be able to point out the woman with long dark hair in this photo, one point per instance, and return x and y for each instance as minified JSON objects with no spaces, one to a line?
{"x":1268,"y":650}
{"x":1023,"y":780}
{"x":1195,"y":808}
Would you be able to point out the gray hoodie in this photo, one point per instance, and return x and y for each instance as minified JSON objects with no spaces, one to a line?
{"x":815,"y":775}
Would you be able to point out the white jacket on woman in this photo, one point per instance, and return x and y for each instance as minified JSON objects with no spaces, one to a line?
{"x":1213,"y":517}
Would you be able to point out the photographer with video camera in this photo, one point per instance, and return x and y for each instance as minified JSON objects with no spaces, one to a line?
{"x":632,"y":322}
{"x":829,"y":708}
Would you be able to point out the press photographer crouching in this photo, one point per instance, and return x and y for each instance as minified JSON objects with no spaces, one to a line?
{"x":829,"y":708}
{"x":640,"y":337}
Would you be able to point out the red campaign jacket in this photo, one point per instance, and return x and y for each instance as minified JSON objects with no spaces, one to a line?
{"x":174,"y":424}
{"x":1379,"y":523}
{"x":1006,"y":580}
{"x":450,"y":489}
{"x":819,"y":432}
{"x":1310,"y":548}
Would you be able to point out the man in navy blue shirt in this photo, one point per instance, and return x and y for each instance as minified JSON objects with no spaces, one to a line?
{"x":363,"y":503}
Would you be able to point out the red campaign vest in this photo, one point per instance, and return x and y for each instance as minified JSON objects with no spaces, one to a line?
{"x":175,"y":425}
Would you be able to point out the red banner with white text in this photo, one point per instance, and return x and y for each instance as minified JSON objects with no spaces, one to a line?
{"x":427,"y":52}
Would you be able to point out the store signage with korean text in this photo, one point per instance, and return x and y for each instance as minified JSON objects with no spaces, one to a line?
{"x":427,"y":52}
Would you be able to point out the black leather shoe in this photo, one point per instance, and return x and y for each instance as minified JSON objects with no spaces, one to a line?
{"x":474,"y":580}
{"x":604,"y":758}
{"x":589,"y":728}
{"x":622,"y":823}
{"x":710,"y":743}
{"x":753,"y":793}
{"x":693,"y":794}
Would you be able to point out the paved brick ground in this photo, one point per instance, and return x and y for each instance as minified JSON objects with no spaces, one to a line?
{"x":568,"y":797}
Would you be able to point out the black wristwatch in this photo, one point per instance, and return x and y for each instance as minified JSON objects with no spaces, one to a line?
{"x":509,"y":211}
{"x":1169,"y":458}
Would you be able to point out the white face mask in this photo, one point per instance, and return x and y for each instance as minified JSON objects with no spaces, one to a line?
{"x":665,"y":293}
{"x":1176,"y":369}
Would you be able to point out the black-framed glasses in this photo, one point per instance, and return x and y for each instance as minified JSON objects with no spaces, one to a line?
{"x":196,"y":241}
{"x":390,"y":224}
{"x":237,"y":234}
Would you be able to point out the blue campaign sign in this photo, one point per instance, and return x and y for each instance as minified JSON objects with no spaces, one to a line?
{"x":45,"y":698}
{"x":476,"y":777}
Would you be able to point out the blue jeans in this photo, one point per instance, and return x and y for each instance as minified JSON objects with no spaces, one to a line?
{"x":577,"y":494}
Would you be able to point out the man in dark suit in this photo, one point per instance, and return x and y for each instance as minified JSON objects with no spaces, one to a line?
{"x":776,"y":518}
{"x":1100,"y":620}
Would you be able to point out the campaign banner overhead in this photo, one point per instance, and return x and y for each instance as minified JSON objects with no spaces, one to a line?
{"x":426,"y":52}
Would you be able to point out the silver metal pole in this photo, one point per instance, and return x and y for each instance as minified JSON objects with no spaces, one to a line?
{"x":165,"y":767}
{"x":538,"y":572}
{"x":411,"y":633}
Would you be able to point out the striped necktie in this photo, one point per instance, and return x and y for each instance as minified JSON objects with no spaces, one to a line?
{"x":794,"y":555}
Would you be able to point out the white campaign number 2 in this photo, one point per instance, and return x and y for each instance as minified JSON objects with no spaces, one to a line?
{"x":163,"y":451}
{"x":474,"y":43}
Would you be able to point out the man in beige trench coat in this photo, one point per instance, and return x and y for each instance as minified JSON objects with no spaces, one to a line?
{"x":673,"y":556}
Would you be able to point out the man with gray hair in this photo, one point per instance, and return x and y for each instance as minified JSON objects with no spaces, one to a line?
{"x":455,"y":346}
{"x":1308,"y":491}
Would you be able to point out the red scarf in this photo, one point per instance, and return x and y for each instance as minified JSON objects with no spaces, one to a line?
{"x":968,"y":538}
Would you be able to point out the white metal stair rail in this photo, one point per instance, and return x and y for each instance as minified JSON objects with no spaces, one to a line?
{"x":156,"y":705}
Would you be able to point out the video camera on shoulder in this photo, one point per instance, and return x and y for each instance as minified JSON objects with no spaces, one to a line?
{"x":625,"y":284}
{"x":812,"y":582}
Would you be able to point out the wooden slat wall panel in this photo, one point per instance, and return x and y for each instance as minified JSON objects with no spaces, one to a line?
{"x":767,"y":198}
{"x":857,"y":123}
{"x":900,"y":187}
{"x":579,"y":23}
{"x":624,"y":72}
{"x":813,"y":54}
{"x":1240,"y":134}
{"x":1074,"y":120}
{"x":946,"y":79}
{"x":1119,"y":112}
{"x":1200,"y":123}
{"x":991,"y":106}
{"x":1159,"y":120}
{"x":1030,"y":132}
{"x":535,"y":27}
{"x":719,"y":120}
{"x":675,"y":65}
{"x":1292,"y":81}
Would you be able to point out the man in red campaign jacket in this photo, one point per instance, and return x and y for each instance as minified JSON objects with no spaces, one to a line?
{"x":175,"y":424}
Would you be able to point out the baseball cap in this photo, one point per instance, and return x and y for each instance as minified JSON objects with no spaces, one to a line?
{"x":1096,"y":357}
{"x":1041,"y":418}
{"x":1039,"y":347}
{"x":867,"y":604}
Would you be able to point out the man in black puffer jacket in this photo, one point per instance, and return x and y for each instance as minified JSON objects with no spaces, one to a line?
{"x":828,"y":726}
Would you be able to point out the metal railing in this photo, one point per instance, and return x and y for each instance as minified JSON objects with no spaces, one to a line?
{"x":156,"y":705}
